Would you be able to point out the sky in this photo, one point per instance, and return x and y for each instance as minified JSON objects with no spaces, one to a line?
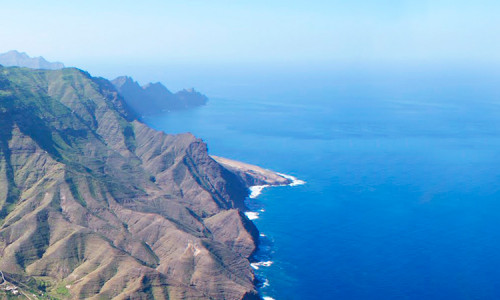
{"x":252,"y":32}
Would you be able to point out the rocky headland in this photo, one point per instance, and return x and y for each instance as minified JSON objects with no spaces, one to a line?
{"x":94,"y":204}
{"x":252,"y":175}
{"x":155,"y":98}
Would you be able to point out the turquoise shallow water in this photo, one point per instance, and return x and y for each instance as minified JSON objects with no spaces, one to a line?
{"x":402,"y":171}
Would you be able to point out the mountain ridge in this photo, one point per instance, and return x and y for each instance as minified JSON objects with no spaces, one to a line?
{"x":15,"y":58}
{"x":96,"y":204}
{"x":154,"y":98}
{"x":149,"y":99}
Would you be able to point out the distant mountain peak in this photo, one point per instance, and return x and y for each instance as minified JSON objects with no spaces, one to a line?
{"x":156,"y":88}
{"x":154,"y":97}
{"x":15,"y":58}
{"x":123,"y":81}
{"x":153,"y":84}
{"x":17,"y":53}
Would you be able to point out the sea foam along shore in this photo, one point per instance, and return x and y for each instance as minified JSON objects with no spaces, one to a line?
{"x":256,"y":190}
{"x":294,"y":180}
{"x":252,"y":215}
{"x":256,"y":265}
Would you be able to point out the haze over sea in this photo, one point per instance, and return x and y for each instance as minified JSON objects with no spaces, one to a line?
{"x":402,"y":168}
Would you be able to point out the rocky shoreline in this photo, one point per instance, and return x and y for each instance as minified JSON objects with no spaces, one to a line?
{"x":256,"y":178}
{"x":253,"y":175}
{"x":94,"y":203}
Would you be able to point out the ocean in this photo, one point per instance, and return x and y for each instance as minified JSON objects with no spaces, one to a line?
{"x":402,"y":172}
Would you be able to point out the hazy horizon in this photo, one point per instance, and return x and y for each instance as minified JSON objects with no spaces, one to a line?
{"x":258,"y":32}
{"x":383,"y":114}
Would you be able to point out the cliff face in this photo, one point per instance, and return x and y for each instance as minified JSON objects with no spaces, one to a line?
{"x":94,"y":204}
{"x":154,"y":98}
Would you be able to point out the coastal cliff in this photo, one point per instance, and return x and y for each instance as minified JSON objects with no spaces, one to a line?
{"x":95,"y":204}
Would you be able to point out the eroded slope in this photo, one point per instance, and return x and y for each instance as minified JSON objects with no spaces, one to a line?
{"x":95,"y":204}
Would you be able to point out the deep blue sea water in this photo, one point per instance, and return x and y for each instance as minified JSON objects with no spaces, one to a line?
{"x":402,"y":199}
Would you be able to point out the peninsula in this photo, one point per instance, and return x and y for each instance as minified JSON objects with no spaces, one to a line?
{"x":95,"y":204}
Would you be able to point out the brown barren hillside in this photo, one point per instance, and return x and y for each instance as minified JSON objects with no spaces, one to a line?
{"x":96,"y":205}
